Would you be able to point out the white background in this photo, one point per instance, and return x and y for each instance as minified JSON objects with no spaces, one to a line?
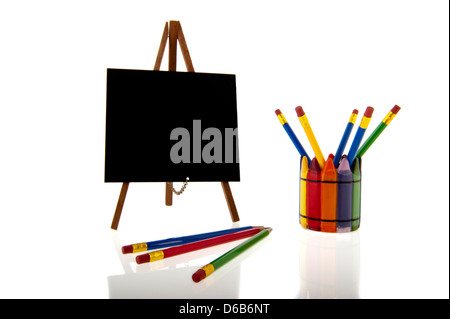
{"x":328,"y":56}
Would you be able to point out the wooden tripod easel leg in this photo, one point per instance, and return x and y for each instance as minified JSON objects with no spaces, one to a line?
{"x":230,"y":201}
{"x":119,"y":207}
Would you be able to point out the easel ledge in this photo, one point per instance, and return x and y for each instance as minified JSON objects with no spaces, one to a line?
{"x":173,"y":32}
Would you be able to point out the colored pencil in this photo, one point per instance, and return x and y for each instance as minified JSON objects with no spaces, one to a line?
{"x":169,"y":242}
{"x":359,"y":134}
{"x":356,"y":204}
{"x":379,"y":129}
{"x":309,"y":133}
{"x":328,"y":195}
{"x":344,"y":197}
{"x":303,"y":177}
{"x":313,"y":195}
{"x":345,"y":137}
{"x":186,"y":248}
{"x":208,"y":269}
{"x":291,"y":134}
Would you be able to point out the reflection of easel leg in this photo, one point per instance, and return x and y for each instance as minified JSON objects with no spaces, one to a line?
{"x":119,"y":207}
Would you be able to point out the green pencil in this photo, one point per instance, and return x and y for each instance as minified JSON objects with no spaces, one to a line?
{"x":207,"y":270}
{"x":380,"y":128}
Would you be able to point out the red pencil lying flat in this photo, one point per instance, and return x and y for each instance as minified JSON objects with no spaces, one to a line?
{"x":182,"y":249}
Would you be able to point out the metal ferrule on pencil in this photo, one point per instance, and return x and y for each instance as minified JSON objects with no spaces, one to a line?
{"x":137,"y":248}
{"x":208,"y":269}
{"x":156,"y":255}
{"x":388,"y":119}
{"x":365,"y":122}
{"x":282,"y":118}
{"x":353,"y":118}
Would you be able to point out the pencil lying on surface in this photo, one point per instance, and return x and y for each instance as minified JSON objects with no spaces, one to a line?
{"x":169,"y":242}
{"x":207,"y":270}
{"x":344,"y":139}
{"x":309,"y":133}
{"x":201,"y":244}
{"x":359,"y":135}
{"x":291,"y":134}
{"x":380,"y":128}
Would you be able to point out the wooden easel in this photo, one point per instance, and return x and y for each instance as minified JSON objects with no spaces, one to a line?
{"x":174,"y":33}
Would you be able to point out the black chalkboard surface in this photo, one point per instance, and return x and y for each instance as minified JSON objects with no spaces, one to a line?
{"x":166,"y":126}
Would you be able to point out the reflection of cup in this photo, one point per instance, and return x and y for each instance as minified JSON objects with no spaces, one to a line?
{"x":329,"y":265}
{"x":320,"y":199}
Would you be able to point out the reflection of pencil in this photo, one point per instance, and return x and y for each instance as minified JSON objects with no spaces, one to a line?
{"x":182,"y":249}
{"x":309,"y":133}
{"x":380,"y":128}
{"x":207,"y":270}
{"x":359,"y":134}
{"x":343,"y":143}
{"x":291,"y":134}
{"x":169,"y":242}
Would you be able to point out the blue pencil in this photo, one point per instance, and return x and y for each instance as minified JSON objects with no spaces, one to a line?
{"x":292,"y":135}
{"x":135,"y":248}
{"x":359,"y":134}
{"x":343,"y":143}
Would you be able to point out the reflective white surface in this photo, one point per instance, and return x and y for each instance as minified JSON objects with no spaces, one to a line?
{"x":56,"y":212}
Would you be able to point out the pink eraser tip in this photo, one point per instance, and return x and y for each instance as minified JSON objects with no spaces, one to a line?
{"x":395,"y":109}
{"x":127,"y":249}
{"x":277,"y":112}
{"x":299,"y":111}
{"x":355,"y":111}
{"x":143,"y":259}
{"x":368,"y":112}
{"x":199,"y":275}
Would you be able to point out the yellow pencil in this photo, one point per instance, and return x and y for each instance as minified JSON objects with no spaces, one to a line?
{"x":309,"y":133}
{"x":303,"y":176}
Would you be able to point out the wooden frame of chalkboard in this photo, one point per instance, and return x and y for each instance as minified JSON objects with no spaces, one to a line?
{"x":174,"y":34}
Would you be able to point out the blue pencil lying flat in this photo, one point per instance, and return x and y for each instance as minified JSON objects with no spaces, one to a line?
{"x":169,"y":242}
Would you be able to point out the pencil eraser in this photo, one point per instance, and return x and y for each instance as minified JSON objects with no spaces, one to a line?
{"x":127,"y":249}
{"x":299,"y":111}
{"x":355,"y":111}
{"x":277,"y":112}
{"x":141,"y":259}
{"x":368,"y":112}
{"x":395,"y":109}
{"x":199,"y":275}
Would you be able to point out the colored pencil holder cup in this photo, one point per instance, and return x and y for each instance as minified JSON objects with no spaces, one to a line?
{"x":331,"y":206}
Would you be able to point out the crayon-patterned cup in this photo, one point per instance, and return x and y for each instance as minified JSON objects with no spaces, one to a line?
{"x":330,"y":198}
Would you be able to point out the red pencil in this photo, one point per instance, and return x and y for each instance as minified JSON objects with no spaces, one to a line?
{"x":182,"y":249}
{"x":313,"y":195}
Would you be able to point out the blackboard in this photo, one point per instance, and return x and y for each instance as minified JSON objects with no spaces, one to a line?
{"x":164,"y":126}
